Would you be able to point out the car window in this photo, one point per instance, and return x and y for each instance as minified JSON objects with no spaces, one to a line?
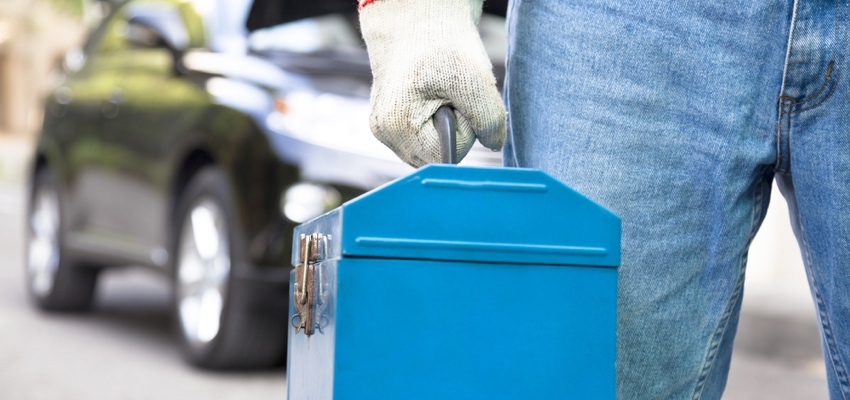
{"x":192,"y":17}
{"x":99,"y":13}
{"x":112,"y":36}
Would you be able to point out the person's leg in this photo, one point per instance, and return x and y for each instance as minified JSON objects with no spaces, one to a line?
{"x":665,"y":113}
{"x":814,"y":177}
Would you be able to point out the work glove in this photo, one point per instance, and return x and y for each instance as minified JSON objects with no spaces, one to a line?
{"x":425,"y":54}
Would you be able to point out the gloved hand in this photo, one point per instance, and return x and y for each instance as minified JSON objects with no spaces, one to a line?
{"x":425,"y":54}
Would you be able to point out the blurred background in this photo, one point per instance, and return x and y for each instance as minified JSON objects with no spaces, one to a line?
{"x":125,"y":347}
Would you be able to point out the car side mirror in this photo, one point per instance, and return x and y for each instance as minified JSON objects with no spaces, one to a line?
{"x":160,"y":31}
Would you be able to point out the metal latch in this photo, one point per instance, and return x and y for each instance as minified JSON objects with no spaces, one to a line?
{"x":310,"y":295}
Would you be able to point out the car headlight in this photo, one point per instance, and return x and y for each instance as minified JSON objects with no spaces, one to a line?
{"x":304,"y":201}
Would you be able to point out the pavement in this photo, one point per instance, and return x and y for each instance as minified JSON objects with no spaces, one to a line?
{"x":124,"y":348}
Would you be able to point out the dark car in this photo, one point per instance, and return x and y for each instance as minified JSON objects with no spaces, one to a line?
{"x":177,"y":141}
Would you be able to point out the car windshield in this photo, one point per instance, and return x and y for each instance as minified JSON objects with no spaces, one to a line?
{"x":336,"y":33}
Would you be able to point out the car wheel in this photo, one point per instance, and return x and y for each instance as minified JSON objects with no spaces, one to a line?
{"x":53,"y":281}
{"x":218,"y":326}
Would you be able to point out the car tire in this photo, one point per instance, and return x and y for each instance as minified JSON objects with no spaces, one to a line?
{"x":54,"y":281}
{"x":219,"y":326}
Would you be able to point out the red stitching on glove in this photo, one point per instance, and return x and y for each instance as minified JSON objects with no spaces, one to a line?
{"x":364,"y":3}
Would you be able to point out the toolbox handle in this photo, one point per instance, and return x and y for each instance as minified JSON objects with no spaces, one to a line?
{"x":446,"y":124}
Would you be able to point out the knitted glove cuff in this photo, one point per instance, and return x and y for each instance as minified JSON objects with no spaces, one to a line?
{"x":426,"y":54}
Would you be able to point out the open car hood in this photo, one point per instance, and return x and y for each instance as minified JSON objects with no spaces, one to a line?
{"x":266,"y":13}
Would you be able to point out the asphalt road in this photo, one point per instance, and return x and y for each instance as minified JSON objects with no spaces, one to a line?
{"x":124,"y":349}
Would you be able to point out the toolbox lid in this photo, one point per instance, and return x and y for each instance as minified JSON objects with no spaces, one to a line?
{"x":490,"y":215}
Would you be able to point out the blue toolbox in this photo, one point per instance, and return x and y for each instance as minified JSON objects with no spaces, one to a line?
{"x":456,"y":283}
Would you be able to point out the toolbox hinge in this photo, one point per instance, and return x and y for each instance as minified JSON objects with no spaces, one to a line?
{"x":310,"y":290}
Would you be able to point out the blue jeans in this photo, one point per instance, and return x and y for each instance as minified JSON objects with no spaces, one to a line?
{"x":677,"y":116}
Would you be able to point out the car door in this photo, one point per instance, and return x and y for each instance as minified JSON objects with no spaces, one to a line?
{"x":92,"y":99}
{"x":145,"y":108}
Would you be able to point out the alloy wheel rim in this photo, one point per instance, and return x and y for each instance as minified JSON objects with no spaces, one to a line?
{"x":203,"y":268}
{"x":43,"y":246}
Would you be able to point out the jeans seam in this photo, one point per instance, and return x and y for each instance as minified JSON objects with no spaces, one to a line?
{"x":784,"y":110}
{"x":788,"y":48}
{"x":828,"y":83}
{"x":837,"y":365}
{"x":833,"y":72}
{"x":722,"y":325}
{"x":784,"y":100}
